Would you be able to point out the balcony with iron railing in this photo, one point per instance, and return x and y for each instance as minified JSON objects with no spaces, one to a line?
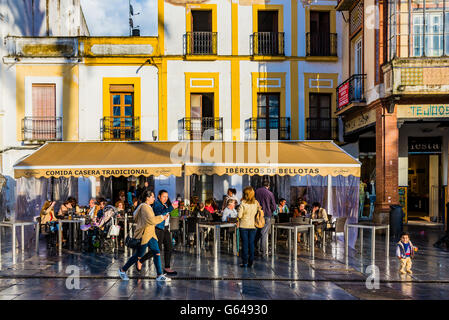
{"x":267,"y":128}
{"x":351,"y":92}
{"x":267,"y":44}
{"x":322,"y":129}
{"x":200,"y":43}
{"x":321,"y":44}
{"x":120,"y":128}
{"x":41,"y":129}
{"x":197,"y":128}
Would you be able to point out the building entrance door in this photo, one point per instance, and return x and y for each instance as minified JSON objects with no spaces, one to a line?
{"x":423,"y":187}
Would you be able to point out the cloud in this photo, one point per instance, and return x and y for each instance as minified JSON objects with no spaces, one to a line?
{"x":110,"y":17}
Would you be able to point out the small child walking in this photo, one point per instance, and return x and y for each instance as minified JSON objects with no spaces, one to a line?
{"x":405,"y":252}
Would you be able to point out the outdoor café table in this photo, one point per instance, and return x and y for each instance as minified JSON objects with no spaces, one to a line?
{"x":22,"y":224}
{"x":320,"y":221}
{"x":295,"y":227}
{"x":74,"y":222}
{"x":216,"y":226}
{"x":373,"y":227}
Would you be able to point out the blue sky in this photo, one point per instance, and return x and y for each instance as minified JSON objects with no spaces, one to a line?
{"x":110,"y":17}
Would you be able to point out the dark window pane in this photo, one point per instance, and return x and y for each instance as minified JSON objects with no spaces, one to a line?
{"x":116,"y":99}
{"x":116,"y":111}
{"x":274,"y":112}
{"x":128,"y":111}
{"x":128,"y":99}
{"x":274,"y":101}
{"x":116,"y":122}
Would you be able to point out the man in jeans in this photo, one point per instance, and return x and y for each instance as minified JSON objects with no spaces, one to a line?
{"x":162,"y":206}
{"x":266,"y":199}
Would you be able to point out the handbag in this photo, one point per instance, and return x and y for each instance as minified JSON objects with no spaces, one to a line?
{"x":132,"y":243}
{"x":259,"y":218}
{"x":114,"y":231}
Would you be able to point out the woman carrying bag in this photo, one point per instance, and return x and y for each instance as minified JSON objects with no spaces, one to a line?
{"x":145,"y":224}
{"x":247,"y":212}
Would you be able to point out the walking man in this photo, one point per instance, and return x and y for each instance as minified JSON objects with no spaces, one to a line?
{"x":266,"y":199}
{"x":162,"y":206}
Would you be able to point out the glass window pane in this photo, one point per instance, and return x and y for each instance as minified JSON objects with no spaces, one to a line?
{"x":273,"y":101}
{"x":262,"y":112}
{"x":128,"y":122}
{"x":313,"y":112}
{"x":116,"y":122}
{"x":261,"y":100}
{"x":128,"y":99}
{"x":274,"y":112}
{"x":128,"y":111}
{"x":116,"y":99}
{"x":116,"y":112}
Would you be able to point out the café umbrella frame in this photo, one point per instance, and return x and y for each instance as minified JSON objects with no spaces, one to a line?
{"x":186,"y":158}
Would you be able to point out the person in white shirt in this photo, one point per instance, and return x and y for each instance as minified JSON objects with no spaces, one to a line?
{"x":229,"y":211}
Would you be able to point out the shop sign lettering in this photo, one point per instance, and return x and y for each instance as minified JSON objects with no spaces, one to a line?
{"x":423,"y":111}
{"x":424,"y":144}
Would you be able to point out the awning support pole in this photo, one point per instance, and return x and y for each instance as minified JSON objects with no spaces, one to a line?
{"x":329,"y":194}
{"x":186,"y":188}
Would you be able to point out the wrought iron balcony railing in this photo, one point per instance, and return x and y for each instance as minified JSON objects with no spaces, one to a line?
{"x":120,"y":128}
{"x":351,"y":90}
{"x":200,"y":43}
{"x":267,"y":44}
{"x":321,"y":44}
{"x":267,"y":128}
{"x":41,"y":129}
{"x":205,"y":128}
{"x":322,"y":129}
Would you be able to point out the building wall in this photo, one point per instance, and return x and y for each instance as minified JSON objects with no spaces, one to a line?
{"x":92,"y":93}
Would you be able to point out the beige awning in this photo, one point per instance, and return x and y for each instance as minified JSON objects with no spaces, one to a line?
{"x":84,"y":159}
{"x":269,"y":158}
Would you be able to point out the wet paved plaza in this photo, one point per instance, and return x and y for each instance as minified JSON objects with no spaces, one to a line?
{"x":203,"y":277}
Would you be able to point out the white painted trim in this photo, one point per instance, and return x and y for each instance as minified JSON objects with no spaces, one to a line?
{"x":29,"y":81}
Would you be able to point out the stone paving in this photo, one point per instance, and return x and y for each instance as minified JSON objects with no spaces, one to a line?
{"x":202,"y":277}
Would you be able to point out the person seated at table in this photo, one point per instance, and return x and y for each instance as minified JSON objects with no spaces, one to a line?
{"x":209,"y":207}
{"x":200,"y":211}
{"x":194,"y":201}
{"x":120,"y":208}
{"x":231,"y":194}
{"x":47,"y":213}
{"x":101,"y":204}
{"x":282,"y":211}
{"x":229,"y":211}
{"x":135,"y":203}
{"x":76,"y":209}
{"x":65,"y":208}
{"x":319,"y":213}
{"x":300,"y":211}
{"x":93,"y":209}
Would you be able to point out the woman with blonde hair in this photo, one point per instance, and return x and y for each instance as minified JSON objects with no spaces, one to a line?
{"x":47,"y":213}
{"x":247,"y":214}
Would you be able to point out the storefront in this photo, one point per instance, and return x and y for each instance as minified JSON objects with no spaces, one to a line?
{"x":332,"y":175}
{"x":423,"y":159}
